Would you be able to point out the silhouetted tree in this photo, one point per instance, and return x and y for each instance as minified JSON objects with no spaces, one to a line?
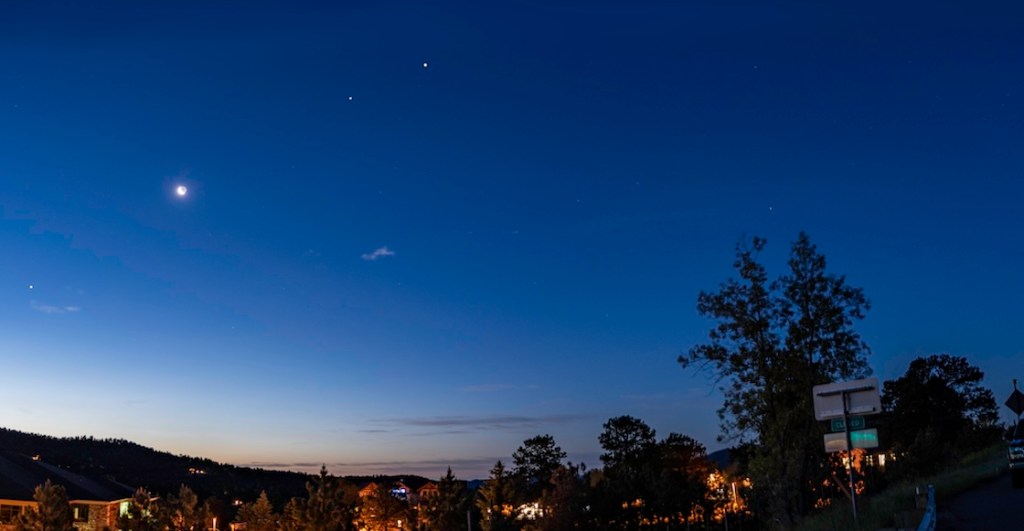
{"x":773,"y":341}
{"x":564,"y":501}
{"x":630,"y":477}
{"x":533,"y":464}
{"x":259,"y":515}
{"x":328,"y":506}
{"x":143,"y":514}
{"x":382,"y":510}
{"x":681,"y":483}
{"x":52,"y":513}
{"x":214,"y":509}
{"x":626,"y":440}
{"x":182,"y":511}
{"x":496,"y":499}
{"x":447,"y":510}
{"x":291,"y":515}
{"x":937,"y":411}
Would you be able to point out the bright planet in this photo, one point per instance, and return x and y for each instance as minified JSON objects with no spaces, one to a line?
{"x":181,"y":190}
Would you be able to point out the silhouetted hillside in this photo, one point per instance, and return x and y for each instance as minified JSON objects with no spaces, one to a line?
{"x":159,"y":472}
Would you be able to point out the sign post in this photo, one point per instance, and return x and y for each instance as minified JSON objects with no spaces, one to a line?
{"x":839,"y":400}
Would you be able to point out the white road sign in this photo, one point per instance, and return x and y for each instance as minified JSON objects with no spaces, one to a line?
{"x":863,"y":398}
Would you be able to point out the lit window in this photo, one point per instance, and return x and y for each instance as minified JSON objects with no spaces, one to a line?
{"x":81,"y":512}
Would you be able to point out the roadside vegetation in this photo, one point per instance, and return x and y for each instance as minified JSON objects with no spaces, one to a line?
{"x":881,"y":511}
{"x":774,"y":339}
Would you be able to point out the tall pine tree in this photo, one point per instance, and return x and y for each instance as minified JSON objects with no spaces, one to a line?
{"x":496,"y":500}
{"x":52,"y":513}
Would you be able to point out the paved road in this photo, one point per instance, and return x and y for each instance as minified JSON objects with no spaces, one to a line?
{"x":993,"y":506}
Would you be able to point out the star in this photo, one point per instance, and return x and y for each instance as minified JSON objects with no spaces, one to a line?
{"x":181,"y":190}
{"x":426,"y":65}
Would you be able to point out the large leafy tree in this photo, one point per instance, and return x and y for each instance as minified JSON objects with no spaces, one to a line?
{"x":771,"y":343}
{"x":937,"y":408}
{"x":52,"y":513}
{"x":496,"y":499}
{"x":646,"y":480}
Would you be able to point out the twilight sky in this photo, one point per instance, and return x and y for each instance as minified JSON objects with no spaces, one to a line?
{"x":416,"y":234}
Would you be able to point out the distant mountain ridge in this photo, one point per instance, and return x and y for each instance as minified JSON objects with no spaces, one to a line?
{"x":161,"y":472}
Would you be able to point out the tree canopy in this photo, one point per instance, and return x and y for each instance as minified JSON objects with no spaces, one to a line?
{"x":496,"y":500}
{"x":534,"y":462}
{"x":329,"y":506}
{"x":447,"y":510}
{"x":53,"y":512}
{"x":259,"y":515}
{"x":771,"y":343}
{"x":937,"y":411}
{"x":625,"y":440}
{"x":382,"y":511}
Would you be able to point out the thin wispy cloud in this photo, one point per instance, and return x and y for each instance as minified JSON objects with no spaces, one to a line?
{"x":442,"y":432}
{"x":444,"y":425}
{"x":51,"y":309}
{"x":486,"y":388}
{"x":380,"y":252}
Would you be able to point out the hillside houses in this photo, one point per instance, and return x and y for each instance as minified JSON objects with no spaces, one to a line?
{"x":96,"y":503}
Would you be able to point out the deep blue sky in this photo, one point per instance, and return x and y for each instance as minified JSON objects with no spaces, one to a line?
{"x":553,"y":189}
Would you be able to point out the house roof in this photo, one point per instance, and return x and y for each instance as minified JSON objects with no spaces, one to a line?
{"x":20,"y":475}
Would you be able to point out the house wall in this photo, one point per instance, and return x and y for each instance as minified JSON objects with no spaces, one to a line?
{"x":8,"y":508}
{"x":101,"y":515}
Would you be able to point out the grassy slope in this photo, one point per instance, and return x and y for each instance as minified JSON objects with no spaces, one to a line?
{"x":876,"y":512}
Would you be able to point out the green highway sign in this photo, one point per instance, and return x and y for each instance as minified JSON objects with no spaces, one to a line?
{"x":864,"y":438}
{"x":856,"y":423}
{"x":836,"y":442}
